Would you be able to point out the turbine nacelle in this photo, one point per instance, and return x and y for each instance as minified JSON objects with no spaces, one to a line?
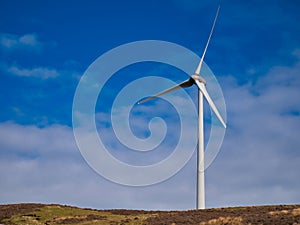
{"x":201,"y":84}
{"x":197,"y":77}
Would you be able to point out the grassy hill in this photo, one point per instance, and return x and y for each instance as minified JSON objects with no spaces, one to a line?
{"x":58,"y":214}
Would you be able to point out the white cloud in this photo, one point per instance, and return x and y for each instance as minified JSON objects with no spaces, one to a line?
{"x":44,"y":165}
{"x":39,"y":72}
{"x":17,"y":139}
{"x":26,"y":41}
{"x":260,"y":158}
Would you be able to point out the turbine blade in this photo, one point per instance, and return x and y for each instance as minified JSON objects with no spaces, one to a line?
{"x":202,"y":88}
{"x":204,"y":52}
{"x":184,"y":84}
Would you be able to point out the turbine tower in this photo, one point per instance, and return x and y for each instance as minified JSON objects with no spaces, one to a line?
{"x":199,"y":81}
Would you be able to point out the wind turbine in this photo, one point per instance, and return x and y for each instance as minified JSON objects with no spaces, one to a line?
{"x":200,"y":83}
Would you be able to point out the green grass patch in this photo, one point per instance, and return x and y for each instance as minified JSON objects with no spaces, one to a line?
{"x":55,"y":214}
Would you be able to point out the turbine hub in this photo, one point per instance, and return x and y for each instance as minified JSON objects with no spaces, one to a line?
{"x":196,"y":76}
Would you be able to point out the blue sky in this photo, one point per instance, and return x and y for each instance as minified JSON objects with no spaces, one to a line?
{"x":45,"y":47}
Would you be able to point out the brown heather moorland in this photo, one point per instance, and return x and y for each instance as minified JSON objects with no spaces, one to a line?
{"x":58,"y":214}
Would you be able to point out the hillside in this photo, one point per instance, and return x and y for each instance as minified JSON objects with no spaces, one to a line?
{"x":58,"y":214}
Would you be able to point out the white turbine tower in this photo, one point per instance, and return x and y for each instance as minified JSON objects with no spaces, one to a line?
{"x":201,"y":83}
